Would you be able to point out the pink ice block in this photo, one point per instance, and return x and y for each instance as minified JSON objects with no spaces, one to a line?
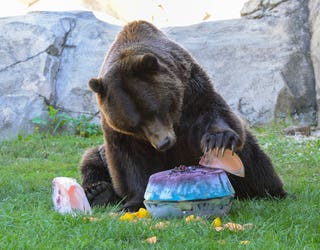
{"x":68,"y":196}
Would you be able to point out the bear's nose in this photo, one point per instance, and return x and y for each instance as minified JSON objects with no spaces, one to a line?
{"x":164,"y":144}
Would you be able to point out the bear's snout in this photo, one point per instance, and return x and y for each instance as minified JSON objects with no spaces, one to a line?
{"x":165,"y":143}
{"x":161,"y":136}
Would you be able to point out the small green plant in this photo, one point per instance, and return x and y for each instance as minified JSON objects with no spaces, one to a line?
{"x":55,"y":122}
{"x":58,"y":121}
{"x":83,"y":126}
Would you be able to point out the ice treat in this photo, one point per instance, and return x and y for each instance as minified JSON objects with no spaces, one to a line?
{"x":187,"y":190}
{"x":68,"y":196}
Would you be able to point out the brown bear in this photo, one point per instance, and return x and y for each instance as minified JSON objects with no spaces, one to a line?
{"x":159,"y":110}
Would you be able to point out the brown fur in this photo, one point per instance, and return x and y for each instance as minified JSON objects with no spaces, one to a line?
{"x":159,"y":110}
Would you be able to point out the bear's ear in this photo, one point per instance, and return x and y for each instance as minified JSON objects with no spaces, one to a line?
{"x":145,"y":63}
{"x":96,"y":85}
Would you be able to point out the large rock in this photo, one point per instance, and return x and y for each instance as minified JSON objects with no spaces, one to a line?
{"x":314,"y":6}
{"x":85,"y":45}
{"x":260,"y":65}
{"x":27,"y":72}
{"x":47,"y":59}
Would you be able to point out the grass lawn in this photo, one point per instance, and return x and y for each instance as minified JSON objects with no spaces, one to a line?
{"x":28,"y":221}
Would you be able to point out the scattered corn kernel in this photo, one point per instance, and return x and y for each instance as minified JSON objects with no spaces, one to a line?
{"x":233,"y":226}
{"x":161,"y":225}
{"x":190,"y":218}
{"x":127,"y":216}
{"x":142,"y":213}
{"x":217,"y":222}
{"x":244,"y":242}
{"x":152,"y":240}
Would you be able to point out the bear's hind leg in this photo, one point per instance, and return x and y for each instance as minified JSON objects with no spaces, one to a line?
{"x":96,"y":180}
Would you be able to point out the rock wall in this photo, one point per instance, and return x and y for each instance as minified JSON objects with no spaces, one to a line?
{"x":260,"y":63}
{"x":314,"y":18}
{"x":290,"y":33}
{"x":47,"y":59}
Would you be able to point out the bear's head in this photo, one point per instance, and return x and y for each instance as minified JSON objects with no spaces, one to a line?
{"x":139,"y":95}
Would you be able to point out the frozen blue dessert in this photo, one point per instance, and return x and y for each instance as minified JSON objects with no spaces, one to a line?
{"x":187,"y":190}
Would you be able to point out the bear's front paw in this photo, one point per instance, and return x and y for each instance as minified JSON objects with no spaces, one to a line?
{"x":100,"y":193}
{"x":221,"y":141}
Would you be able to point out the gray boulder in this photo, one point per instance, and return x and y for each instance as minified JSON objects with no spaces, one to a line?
{"x":314,"y":6}
{"x":27,"y":72}
{"x":47,"y":59}
{"x":261,"y":64}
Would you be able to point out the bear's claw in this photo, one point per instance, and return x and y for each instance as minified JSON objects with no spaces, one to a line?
{"x":220,"y":141}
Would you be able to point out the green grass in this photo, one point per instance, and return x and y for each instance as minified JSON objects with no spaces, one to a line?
{"x":28,"y":221}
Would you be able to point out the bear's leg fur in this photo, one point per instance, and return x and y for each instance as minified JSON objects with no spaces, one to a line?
{"x":261,"y":179}
{"x":96,"y":180}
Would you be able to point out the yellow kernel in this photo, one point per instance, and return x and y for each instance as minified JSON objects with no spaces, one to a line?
{"x":127,"y":216}
{"x":190,"y":218}
{"x":217,"y":222}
